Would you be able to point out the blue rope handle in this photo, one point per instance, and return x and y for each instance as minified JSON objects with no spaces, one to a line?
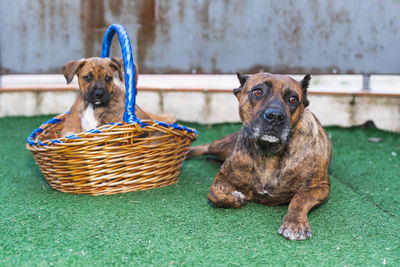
{"x":129,"y":114}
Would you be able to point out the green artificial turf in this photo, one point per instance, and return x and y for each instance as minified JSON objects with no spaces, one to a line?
{"x":357,"y":226}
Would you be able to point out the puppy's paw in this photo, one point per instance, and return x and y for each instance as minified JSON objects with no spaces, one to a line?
{"x":239,"y":199}
{"x":169,"y":118}
{"x":294,"y":230}
{"x":68,"y":134}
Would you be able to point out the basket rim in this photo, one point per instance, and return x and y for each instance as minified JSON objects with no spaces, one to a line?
{"x":101,"y":129}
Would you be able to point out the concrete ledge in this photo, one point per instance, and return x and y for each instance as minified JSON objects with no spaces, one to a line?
{"x":350,"y":110}
{"x":207,"y":99}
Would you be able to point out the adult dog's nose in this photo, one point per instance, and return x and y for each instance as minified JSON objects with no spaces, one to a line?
{"x":274,"y":116}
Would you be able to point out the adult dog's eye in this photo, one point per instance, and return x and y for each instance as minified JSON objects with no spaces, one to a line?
{"x":257,"y":92}
{"x":293,"y":100}
{"x":88,"y":78}
{"x":108,"y":79}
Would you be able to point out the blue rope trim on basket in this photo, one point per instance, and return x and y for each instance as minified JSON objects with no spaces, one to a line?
{"x":55,"y":141}
{"x":39,"y":130}
{"x":32,"y":135}
{"x":176,"y":127}
{"x":72,"y":136}
{"x":40,"y":143}
{"x":94,"y":131}
{"x":116,"y":123}
{"x":54,"y":120}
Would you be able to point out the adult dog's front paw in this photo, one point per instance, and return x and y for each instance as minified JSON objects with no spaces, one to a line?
{"x":239,"y":199}
{"x":295,"y":230}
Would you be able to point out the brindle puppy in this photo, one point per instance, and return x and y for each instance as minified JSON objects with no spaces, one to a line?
{"x":101,"y":100}
{"x":281,"y":155}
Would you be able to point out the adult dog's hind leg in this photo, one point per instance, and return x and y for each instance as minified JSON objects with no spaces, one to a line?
{"x":221,"y":148}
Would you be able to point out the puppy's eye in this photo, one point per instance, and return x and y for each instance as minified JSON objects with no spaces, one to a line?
{"x":108,"y":79}
{"x":293,"y":100}
{"x":88,"y":78}
{"x":257,"y":92}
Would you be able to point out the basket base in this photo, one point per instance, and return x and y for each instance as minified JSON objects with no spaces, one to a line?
{"x":109,"y":190}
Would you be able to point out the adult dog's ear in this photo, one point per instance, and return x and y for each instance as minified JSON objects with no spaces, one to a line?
{"x":120,"y":62}
{"x":72,"y":67}
{"x":237,"y":91}
{"x":304,"y":86}
{"x":242,"y":79}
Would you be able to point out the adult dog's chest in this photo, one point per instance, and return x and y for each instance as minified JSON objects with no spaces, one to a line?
{"x":275,"y":175}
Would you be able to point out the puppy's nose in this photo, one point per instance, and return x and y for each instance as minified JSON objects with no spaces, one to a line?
{"x":99,"y":93}
{"x":274,"y":116}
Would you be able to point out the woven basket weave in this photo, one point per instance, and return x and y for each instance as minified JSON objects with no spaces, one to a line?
{"x":114,"y":158}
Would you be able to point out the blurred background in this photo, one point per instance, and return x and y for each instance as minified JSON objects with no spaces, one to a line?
{"x":350,"y":47}
{"x":204,"y":36}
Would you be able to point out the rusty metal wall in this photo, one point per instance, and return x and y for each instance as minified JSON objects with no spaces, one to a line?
{"x":207,"y":36}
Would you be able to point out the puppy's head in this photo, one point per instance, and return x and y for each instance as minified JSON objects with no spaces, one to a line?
{"x":270,"y":105}
{"x":96,"y":77}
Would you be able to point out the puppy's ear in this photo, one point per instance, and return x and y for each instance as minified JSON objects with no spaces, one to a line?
{"x":72,"y":67}
{"x":136,"y":72}
{"x":117,"y":64}
{"x":242,"y":78}
{"x":120,"y":68}
{"x":304,"y":86}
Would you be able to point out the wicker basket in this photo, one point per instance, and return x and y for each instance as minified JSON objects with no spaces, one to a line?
{"x":114,"y":158}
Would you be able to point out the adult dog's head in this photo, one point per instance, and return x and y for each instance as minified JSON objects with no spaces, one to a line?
{"x":95,"y":77}
{"x":270,"y":105}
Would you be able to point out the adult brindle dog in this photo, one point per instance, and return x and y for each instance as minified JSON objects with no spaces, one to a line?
{"x":281,"y":154}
